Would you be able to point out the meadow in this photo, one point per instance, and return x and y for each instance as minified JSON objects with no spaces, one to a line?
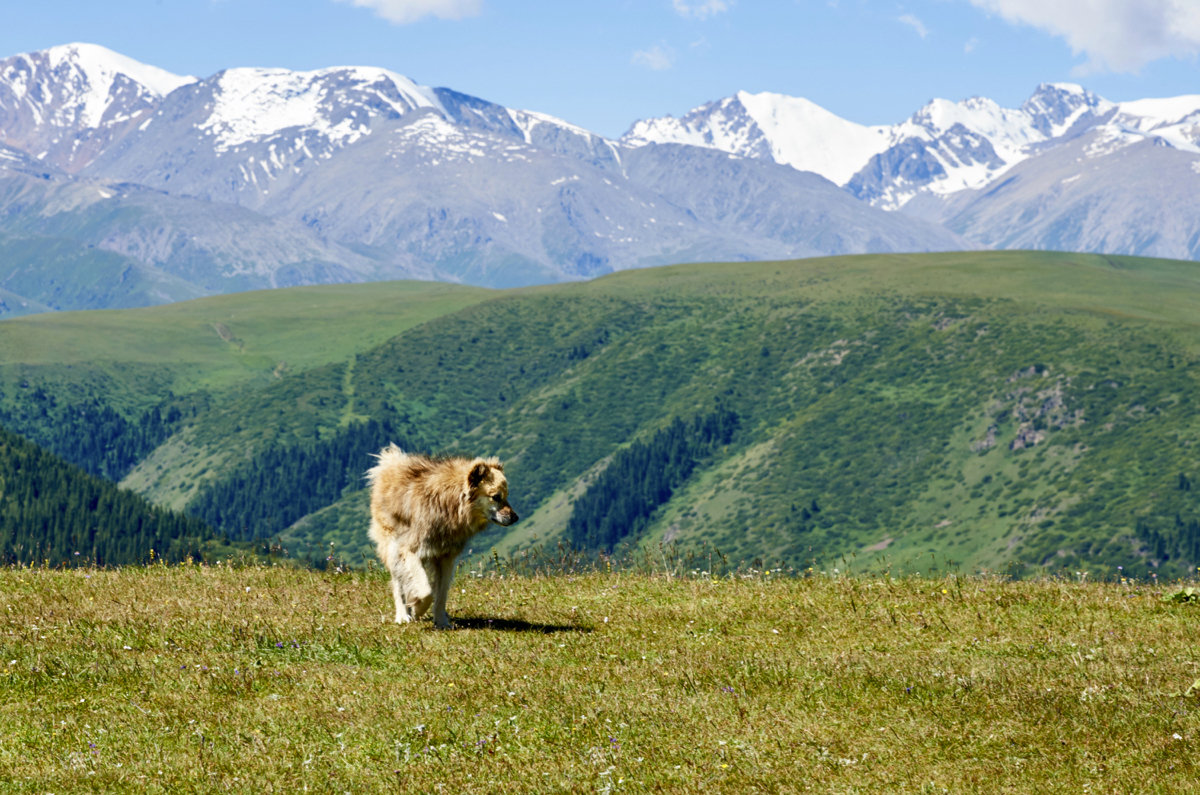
{"x":200,"y":678}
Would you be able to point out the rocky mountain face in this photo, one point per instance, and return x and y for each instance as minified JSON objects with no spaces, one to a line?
{"x":266,"y":177}
{"x":1136,"y":195}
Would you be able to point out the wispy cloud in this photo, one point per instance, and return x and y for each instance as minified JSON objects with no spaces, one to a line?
{"x":970,"y":45}
{"x":658,"y":58}
{"x":915,"y":24}
{"x":402,"y":12}
{"x":700,"y":9}
{"x":1115,"y":35}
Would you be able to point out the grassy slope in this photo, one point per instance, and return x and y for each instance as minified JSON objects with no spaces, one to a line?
{"x":223,"y":345}
{"x":879,"y":375}
{"x":194,"y":679}
{"x":863,"y":383}
{"x":225,"y":341}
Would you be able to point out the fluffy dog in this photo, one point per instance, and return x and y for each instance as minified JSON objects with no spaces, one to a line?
{"x":423,"y":510}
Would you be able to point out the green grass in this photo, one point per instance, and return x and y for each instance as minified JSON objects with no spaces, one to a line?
{"x":220,"y":342}
{"x":182,"y":679}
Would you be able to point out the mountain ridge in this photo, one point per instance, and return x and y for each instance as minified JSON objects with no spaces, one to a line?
{"x":359,"y":174}
{"x":254,"y":178}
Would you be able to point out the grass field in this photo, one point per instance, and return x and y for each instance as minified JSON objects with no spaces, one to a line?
{"x":218,"y":678}
{"x":224,"y":341}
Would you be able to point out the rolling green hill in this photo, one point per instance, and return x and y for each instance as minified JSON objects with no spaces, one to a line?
{"x":1014,"y":410}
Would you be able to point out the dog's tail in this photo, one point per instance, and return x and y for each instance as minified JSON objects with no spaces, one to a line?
{"x":386,"y":457}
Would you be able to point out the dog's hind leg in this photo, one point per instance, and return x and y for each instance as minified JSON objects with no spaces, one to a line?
{"x":410,"y":588}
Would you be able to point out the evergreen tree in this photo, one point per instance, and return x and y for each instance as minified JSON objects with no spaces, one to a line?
{"x":643,"y":476}
{"x":54,"y":511}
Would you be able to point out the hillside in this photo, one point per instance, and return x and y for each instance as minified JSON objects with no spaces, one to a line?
{"x":53,"y":512}
{"x":1007,"y":411}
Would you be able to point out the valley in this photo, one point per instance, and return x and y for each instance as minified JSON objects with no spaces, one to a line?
{"x":1016,"y":412}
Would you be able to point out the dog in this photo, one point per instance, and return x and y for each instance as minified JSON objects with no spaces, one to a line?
{"x":423,"y":510}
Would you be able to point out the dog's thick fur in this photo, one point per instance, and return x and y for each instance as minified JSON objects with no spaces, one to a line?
{"x":423,"y":510}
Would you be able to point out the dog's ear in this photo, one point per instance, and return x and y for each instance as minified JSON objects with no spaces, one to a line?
{"x":477,"y":474}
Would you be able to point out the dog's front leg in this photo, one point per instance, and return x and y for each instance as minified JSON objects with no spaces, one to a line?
{"x":444,"y":567}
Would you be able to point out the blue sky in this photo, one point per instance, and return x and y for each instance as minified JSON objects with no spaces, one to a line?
{"x":603,"y":65}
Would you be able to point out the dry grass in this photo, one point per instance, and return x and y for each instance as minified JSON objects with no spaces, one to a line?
{"x":269,"y":679}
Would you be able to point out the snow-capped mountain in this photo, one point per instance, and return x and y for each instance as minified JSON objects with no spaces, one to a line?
{"x":65,"y":104}
{"x":352,"y":173}
{"x":944,"y":148}
{"x":947,"y":146}
{"x":787,"y":130}
{"x":123,"y":184}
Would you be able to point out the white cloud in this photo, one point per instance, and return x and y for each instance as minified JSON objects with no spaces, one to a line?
{"x":403,"y":12}
{"x":657,"y":58}
{"x":1115,"y":35}
{"x":700,"y":9}
{"x":970,"y":45}
{"x":915,"y":24}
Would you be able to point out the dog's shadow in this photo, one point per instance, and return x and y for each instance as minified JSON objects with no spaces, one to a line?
{"x":515,"y":625}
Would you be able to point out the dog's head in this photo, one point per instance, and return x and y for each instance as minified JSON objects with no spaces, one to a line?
{"x":487,"y":488}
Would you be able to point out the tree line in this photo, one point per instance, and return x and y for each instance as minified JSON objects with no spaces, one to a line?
{"x":642,"y":477}
{"x":284,"y":482}
{"x":53,"y":511}
{"x":91,"y":434}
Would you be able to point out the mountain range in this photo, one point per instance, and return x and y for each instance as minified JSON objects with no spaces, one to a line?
{"x":124,"y":185}
{"x":1068,"y":170}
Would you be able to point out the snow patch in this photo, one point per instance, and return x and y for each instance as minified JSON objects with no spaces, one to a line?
{"x":102,"y":65}
{"x":254,"y":104}
{"x":1109,"y":139}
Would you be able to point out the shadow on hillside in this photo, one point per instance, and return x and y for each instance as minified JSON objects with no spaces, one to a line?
{"x":514,"y":625}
